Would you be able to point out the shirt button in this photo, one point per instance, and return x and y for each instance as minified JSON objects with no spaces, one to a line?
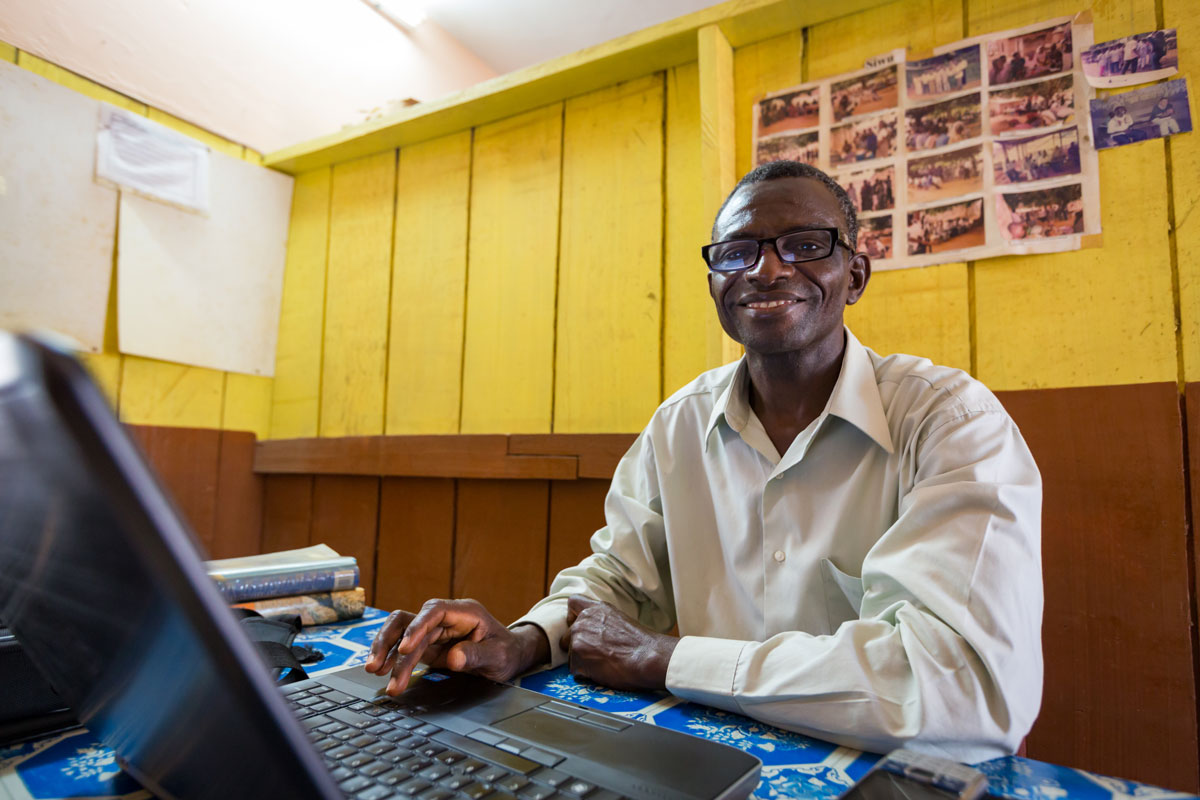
{"x":779,"y":556}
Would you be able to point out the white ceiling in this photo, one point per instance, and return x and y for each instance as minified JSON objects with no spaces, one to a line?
{"x":272,"y":73}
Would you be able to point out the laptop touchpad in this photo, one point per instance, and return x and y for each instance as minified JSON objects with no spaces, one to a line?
{"x":564,"y":735}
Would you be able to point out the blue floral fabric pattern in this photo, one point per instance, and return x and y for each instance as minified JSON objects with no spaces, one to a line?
{"x":76,"y":765}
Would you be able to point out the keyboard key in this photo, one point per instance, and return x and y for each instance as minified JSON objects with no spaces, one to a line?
{"x":491,"y":774}
{"x":328,"y":743}
{"x":379,"y":748}
{"x":340,"y":752}
{"x":427,"y":730}
{"x":430,"y":749}
{"x":352,"y":718}
{"x":297,"y":687}
{"x":362,"y":740}
{"x":341,"y":698}
{"x":486,"y":736}
{"x":379,"y":729}
{"x":340,"y":774}
{"x":319,"y":689}
{"x":374,"y":768}
{"x":392,"y":716}
{"x":323,"y":705}
{"x":397,"y":755}
{"x":469,"y":766}
{"x":541,"y":756}
{"x":513,"y":782}
{"x":455,"y":781}
{"x":577,"y":788}
{"x":332,"y":727}
{"x":413,"y":786}
{"x":511,"y":745}
{"x":413,"y":742}
{"x":434,"y":772}
{"x":357,"y":760}
{"x":550,"y":777}
{"x":355,"y":784}
{"x":408,"y":723}
{"x":449,"y":757}
{"x":374,"y":711}
{"x":481,"y":750}
{"x":535,"y":791}
{"x":374,"y":793}
{"x":394,"y":777}
{"x":394,"y":735}
{"x":313,"y":723}
{"x":475,"y":791}
{"x":359,"y":706}
{"x":306,"y":701}
{"x":415,"y":763}
{"x":435,"y":793}
{"x":347,"y":734}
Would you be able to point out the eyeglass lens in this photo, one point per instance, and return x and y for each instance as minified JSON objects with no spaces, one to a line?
{"x":791,"y":247}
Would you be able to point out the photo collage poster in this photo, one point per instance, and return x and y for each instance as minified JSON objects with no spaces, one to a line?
{"x":982,"y":150}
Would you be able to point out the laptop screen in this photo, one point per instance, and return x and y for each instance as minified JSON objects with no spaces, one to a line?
{"x":103,"y":586}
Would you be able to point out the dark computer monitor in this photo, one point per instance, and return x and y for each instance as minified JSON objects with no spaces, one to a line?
{"x":101,"y":581}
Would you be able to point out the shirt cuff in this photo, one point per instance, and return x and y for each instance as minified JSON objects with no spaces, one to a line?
{"x":551,"y":617}
{"x":703,"y":669}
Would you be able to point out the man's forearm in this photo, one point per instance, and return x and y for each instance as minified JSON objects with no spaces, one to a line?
{"x":534,"y":646}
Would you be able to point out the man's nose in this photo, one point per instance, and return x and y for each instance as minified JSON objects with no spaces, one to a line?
{"x":769,"y":268}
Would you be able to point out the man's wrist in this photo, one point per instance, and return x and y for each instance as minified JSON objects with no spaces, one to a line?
{"x":533,"y":646}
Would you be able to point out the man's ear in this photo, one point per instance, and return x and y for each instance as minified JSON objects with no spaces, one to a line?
{"x":860,"y":273}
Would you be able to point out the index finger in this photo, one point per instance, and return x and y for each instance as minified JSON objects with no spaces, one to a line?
{"x":385,"y":639}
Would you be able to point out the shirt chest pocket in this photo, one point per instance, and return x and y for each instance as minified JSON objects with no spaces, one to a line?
{"x":843,"y":594}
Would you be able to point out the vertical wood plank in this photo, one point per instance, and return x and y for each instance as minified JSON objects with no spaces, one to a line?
{"x":508,"y":363}
{"x":237,"y":528}
{"x":429,"y":276}
{"x":160,"y":393}
{"x":718,"y":156}
{"x":362,"y":210}
{"x":345,"y":516}
{"x":576,"y":512}
{"x":186,"y":462}
{"x":1072,"y":319}
{"x":296,"y":392}
{"x":1120,"y":692}
{"x":416,"y":541}
{"x":1184,"y":16}
{"x":247,"y":404}
{"x":500,"y":544}
{"x":610,"y":266}
{"x":687,"y":308}
{"x":287,"y":512}
{"x":758,"y":70}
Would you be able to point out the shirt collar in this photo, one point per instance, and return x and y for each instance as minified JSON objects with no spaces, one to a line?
{"x":855,"y":397}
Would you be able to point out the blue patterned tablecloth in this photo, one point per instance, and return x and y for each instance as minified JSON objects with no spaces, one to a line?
{"x":75,"y":765}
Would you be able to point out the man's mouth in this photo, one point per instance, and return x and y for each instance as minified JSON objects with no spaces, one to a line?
{"x":770,"y":304}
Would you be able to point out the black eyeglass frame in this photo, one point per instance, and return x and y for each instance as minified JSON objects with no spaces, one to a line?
{"x":836,"y":238}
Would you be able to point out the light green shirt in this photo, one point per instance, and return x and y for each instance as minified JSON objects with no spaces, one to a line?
{"x":877,"y":585}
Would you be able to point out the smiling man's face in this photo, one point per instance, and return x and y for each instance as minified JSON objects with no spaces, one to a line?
{"x":776,"y":306}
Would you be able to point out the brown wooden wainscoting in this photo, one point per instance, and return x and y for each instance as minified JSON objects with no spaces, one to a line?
{"x":1120,"y":689}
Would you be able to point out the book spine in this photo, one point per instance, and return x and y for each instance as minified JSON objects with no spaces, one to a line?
{"x":244,"y":572}
{"x":318,"y":608}
{"x":322,"y":580}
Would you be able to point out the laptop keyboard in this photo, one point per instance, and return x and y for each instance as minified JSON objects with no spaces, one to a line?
{"x":376,"y":751}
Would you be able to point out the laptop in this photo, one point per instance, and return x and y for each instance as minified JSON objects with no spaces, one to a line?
{"x":103,"y":585}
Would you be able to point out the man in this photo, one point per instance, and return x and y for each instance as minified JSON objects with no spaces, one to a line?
{"x":849,"y":544}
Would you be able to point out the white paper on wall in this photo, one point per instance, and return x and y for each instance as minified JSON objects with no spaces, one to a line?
{"x":206,"y":290}
{"x":56,"y":224}
{"x":142,"y":156}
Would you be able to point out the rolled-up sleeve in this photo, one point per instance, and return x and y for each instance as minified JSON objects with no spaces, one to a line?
{"x":946,"y":652}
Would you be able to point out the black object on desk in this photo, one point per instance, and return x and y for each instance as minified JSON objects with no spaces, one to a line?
{"x":102,"y":583}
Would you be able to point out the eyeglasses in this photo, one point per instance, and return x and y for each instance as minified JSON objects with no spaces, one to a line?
{"x":809,"y":244}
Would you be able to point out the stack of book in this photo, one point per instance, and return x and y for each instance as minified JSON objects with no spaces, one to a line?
{"x":313,"y":583}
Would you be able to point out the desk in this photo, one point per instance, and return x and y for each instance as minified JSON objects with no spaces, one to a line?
{"x":76,"y":765}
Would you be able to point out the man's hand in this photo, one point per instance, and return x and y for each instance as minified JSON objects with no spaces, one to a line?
{"x":606,"y":646}
{"x":459,"y":635}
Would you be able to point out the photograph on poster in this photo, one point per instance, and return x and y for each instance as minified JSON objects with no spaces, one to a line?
{"x":956,"y":226}
{"x":872,"y":189}
{"x":864,"y":140}
{"x":1141,"y":58}
{"x":948,"y":73}
{"x":1041,"y":214}
{"x":789,"y":112}
{"x":1033,"y":105}
{"x":1151,"y":112}
{"x":1029,"y":55}
{"x":946,"y":175}
{"x":1036,"y":158}
{"x":944,"y":123}
{"x":804,"y":147}
{"x":874,"y":91}
{"x":875,"y":236}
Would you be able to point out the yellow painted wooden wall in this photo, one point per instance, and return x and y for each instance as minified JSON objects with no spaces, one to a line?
{"x":545,"y":274}
{"x":146,"y":391}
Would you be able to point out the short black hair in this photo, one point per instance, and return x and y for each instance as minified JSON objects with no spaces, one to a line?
{"x":797,"y":169}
